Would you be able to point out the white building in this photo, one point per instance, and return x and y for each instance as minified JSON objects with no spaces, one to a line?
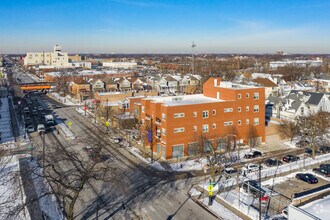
{"x":124,"y":65}
{"x":57,"y":58}
{"x":81,"y":64}
{"x":296,"y":63}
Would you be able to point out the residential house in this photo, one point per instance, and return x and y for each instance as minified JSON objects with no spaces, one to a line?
{"x":80,"y":89}
{"x":97,"y":85}
{"x":271,"y":88}
{"x":110,"y":84}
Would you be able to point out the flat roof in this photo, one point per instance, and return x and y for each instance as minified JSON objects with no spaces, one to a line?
{"x":184,"y":100}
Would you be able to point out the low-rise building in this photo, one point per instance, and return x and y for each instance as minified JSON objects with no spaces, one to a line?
{"x":224,"y":109}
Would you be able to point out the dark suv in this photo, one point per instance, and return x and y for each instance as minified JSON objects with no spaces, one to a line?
{"x":253,"y":154}
{"x":290,"y":158}
{"x":324,"y":170}
{"x":273,"y":162}
{"x":307,"y":177}
{"x":253,"y":187}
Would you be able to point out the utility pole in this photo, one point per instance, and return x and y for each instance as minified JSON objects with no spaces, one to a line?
{"x":193,"y":45}
{"x":259,"y":191}
{"x":151,"y":141}
{"x":107,"y":111}
{"x":43,"y":149}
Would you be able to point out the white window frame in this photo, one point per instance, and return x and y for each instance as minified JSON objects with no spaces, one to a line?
{"x":206,"y":114}
{"x":214,"y":112}
{"x":195,"y":128}
{"x":142,"y":109}
{"x":205,"y":128}
{"x":247,"y":121}
{"x":228,"y":110}
{"x":228,"y":123}
{"x":163,"y":116}
{"x":214,"y":125}
{"x":247,"y":108}
{"x":239,"y":122}
{"x":239,"y":109}
{"x":247,"y":95}
{"x":239,"y":96}
{"x":256,"y":96}
{"x":256,"y":108}
{"x":163,"y":131}
{"x":195,"y":114}
{"x":256,"y":121}
{"x":178,"y":130}
{"x":178,"y":115}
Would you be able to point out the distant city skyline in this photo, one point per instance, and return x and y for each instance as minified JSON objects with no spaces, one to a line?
{"x":165,"y":26}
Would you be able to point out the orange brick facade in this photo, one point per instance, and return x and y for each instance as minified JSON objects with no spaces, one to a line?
{"x":181,"y":123}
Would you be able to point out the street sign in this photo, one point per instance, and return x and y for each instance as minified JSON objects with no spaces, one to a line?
{"x":107,"y":123}
{"x":210,"y":188}
{"x":69,"y":123}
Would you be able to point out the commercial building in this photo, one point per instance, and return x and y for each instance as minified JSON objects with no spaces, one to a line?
{"x":57,"y":59}
{"x":225,"y":109}
{"x":123,"y":65}
{"x":297,"y":63}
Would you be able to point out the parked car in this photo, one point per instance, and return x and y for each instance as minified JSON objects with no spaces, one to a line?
{"x":273,"y":162}
{"x":290,"y":158}
{"x":26,"y":110}
{"x":253,"y":187}
{"x":251,"y":167}
{"x":88,"y":149}
{"x":29,"y":102}
{"x":325,"y":171}
{"x":30,"y":128}
{"x":41,"y":128}
{"x":325,"y":165}
{"x":307,"y":177}
{"x":34,"y":112}
{"x":325,"y":149}
{"x":40,"y":108}
{"x":28,"y":120}
{"x":253,"y":154}
{"x":117,"y":140}
{"x":309,"y":151}
{"x":302,"y":143}
{"x":229,"y":171}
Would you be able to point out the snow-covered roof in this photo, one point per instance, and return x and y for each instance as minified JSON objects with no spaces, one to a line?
{"x":184,"y":100}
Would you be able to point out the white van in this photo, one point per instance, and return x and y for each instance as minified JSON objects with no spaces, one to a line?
{"x":41,"y":128}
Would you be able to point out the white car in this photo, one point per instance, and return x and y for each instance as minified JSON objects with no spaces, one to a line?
{"x":250,"y":167}
{"x":41,"y":128}
{"x":30,"y":128}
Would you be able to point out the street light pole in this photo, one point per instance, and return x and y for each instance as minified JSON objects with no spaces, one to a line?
{"x":43,"y":150}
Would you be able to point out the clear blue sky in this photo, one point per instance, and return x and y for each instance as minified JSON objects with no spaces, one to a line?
{"x":165,"y":26}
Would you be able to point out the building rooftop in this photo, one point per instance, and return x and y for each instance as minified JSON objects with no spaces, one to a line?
{"x":184,"y":100}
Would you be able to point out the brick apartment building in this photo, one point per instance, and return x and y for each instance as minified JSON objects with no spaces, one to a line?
{"x":178,"y":123}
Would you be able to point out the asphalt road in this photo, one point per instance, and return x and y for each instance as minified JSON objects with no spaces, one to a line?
{"x":146,"y":193}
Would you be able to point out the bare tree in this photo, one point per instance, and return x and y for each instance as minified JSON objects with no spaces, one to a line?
{"x":288,"y":129}
{"x":252,"y":137}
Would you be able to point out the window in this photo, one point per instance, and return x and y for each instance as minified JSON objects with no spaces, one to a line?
{"x":256,"y":108}
{"x":142,"y":109}
{"x":177,"y":151}
{"x":247,"y":108}
{"x":239,"y":109}
{"x":247,"y":95}
{"x":214,"y":112}
{"x":194,"y":128}
{"x":178,"y":130}
{"x":178,"y":115}
{"x":247,"y":121}
{"x":142,"y":121}
{"x":214,"y":125}
{"x":205,"y":114}
{"x":126,"y":105}
{"x":163,"y":116}
{"x":256,"y":96}
{"x":256,"y":121}
{"x":205,"y":128}
{"x":239,"y":122}
{"x":227,"y":123}
{"x":164,"y":131}
{"x":239,"y":96}
{"x":192,"y":148}
{"x":195,"y":114}
{"x":228,"y":110}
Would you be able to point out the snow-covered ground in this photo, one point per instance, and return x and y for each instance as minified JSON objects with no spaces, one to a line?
{"x":65,"y":100}
{"x":320,"y":208}
{"x":48,"y":203}
{"x":11,"y":193}
{"x":220,"y":210}
{"x":64,"y":128}
{"x":136,"y":152}
{"x":5,"y":122}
